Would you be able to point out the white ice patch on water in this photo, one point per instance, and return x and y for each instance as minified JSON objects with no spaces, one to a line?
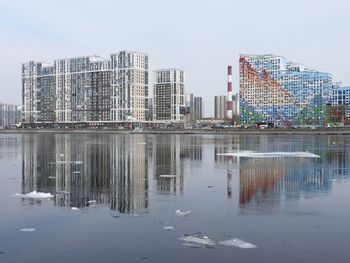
{"x":168,"y":227}
{"x":251,"y":154}
{"x":182,"y":212}
{"x":35,"y":195}
{"x":167,"y":176}
{"x":52,"y":177}
{"x":75,"y":208}
{"x":236,"y":242}
{"x":92,"y":202}
{"x":142,"y":143}
{"x":27,"y":230}
{"x":197,"y":240}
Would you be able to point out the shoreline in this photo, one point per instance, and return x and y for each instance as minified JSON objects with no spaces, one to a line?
{"x":328,"y":131}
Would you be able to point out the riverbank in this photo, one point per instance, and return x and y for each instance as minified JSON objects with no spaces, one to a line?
{"x":330,"y":131}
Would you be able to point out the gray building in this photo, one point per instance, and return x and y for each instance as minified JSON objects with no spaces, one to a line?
{"x":9,"y":114}
{"x":220,"y":107}
{"x":86,"y":89}
{"x":198,"y":108}
{"x":168,"y":94}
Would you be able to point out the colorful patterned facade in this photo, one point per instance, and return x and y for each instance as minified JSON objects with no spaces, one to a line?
{"x":272,"y":90}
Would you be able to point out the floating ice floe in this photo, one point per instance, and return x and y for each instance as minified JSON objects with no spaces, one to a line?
{"x":27,"y":230}
{"x":92,"y":202}
{"x":167,"y":176}
{"x":52,"y":177}
{"x":76,"y":172}
{"x":182,"y":212}
{"x":75,"y":208}
{"x":251,"y":154}
{"x":236,"y":242}
{"x":78,"y":162}
{"x":35,"y":195}
{"x":168,"y":227}
{"x":197,"y":241}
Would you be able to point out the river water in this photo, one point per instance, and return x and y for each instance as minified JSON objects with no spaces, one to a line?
{"x":136,"y":198}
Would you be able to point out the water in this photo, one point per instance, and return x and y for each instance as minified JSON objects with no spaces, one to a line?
{"x":293,"y":209}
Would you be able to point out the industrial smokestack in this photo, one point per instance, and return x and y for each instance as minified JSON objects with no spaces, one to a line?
{"x":229,"y":92}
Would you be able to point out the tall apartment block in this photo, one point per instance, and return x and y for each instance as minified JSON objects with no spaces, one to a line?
{"x":86,"y":89}
{"x":274,"y":90}
{"x":168,"y":94}
{"x":129,"y":86}
{"x":198,"y":108}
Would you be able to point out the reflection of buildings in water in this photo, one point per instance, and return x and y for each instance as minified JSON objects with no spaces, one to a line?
{"x":130,"y":183}
{"x":167,"y":161}
{"x":36,"y":167}
{"x":9,"y":146}
{"x":111,"y":169}
{"x":191,"y":148}
{"x":266,"y":180}
{"x":224,"y":145}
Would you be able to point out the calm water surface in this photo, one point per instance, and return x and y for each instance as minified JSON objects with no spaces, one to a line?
{"x":292,"y":209}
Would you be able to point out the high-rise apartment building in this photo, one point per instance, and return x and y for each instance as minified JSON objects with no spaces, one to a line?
{"x":220,"y":107}
{"x":169,"y":94}
{"x":129,"y":86}
{"x":274,"y":90}
{"x":86,"y":89}
{"x":341,"y":97}
{"x":198,"y":108}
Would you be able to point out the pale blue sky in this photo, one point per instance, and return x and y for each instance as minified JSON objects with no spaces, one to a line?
{"x":200,"y":36}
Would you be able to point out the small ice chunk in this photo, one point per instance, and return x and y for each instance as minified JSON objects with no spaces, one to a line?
{"x":92,"y":202}
{"x":75,"y":208}
{"x":76,"y":172}
{"x":182,"y":212}
{"x":35,"y":195}
{"x":52,"y":177}
{"x":78,"y":162}
{"x":197,"y":239}
{"x":168,"y":227}
{"x":236,"y":242}
{"x":142,"y":143}
{"x":167,"y":176}
{"x":27,"y":230}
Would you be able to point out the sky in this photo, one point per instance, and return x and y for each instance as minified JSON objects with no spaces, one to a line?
{"x":201,"y":37}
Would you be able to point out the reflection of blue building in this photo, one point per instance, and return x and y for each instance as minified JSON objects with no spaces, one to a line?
{"x":272,"y":89}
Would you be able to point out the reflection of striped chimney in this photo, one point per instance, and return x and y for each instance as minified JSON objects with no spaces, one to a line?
{"x":229,"y":92}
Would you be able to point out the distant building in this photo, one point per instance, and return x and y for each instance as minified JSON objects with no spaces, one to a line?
{"x":220,"y":107}
{"x":198,"y":108}
{"x":86,"y":89}
{"x":273,"y":90}
{"x":150,"y":110}
{"x":9,"y":114}
{"x":341,"y":97}
{"x":168,"y":94}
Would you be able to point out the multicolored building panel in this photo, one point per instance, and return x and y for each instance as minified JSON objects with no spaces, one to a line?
{"x":274,"y":90}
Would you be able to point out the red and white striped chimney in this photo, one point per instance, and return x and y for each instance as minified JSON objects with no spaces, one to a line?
{"x":229,"y":92}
